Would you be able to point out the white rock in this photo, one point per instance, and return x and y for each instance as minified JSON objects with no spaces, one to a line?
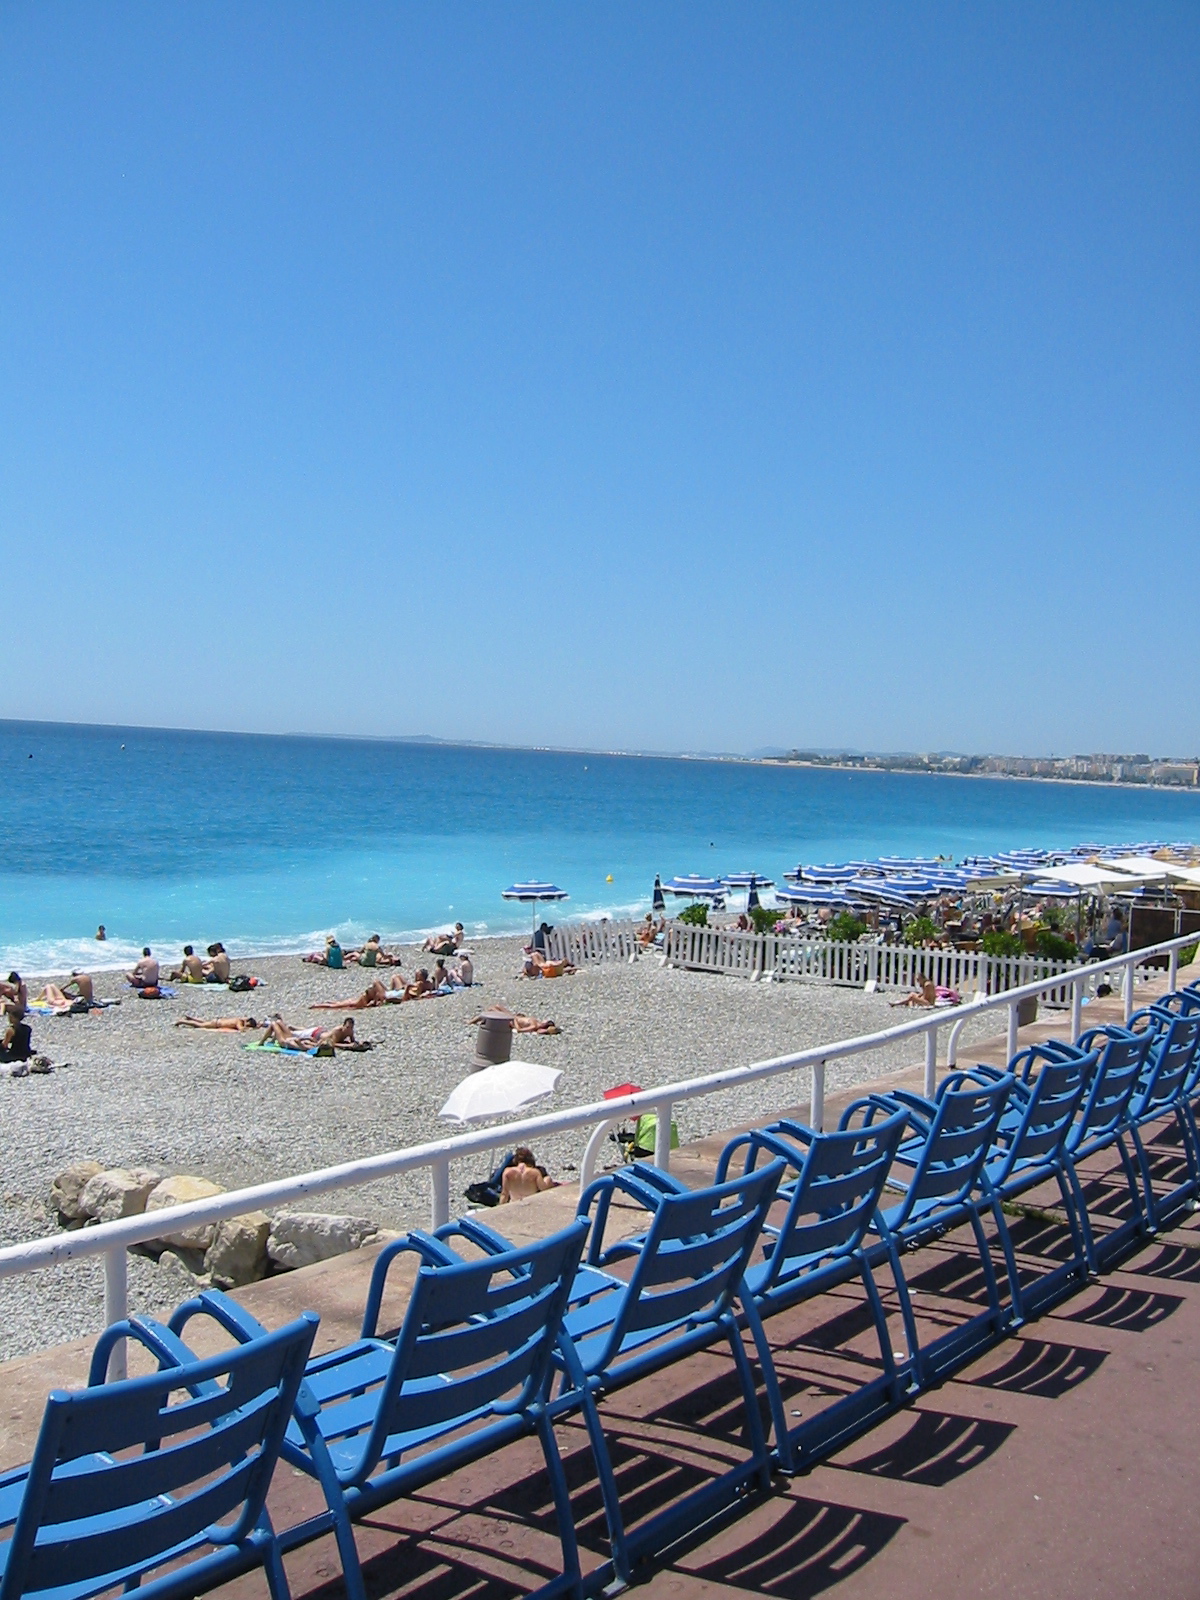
{"x":179,"y":1191}
{"x":300,"y":1238}
{"x":238,"y":1253}
{"x":69,"y":1185}
{"x":119,"y":1192}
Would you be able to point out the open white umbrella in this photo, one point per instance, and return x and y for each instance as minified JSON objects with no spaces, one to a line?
{"x":497,"y":1090}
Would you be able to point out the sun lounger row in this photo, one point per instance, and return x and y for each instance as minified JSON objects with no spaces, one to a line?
{"x":161,"y":1481}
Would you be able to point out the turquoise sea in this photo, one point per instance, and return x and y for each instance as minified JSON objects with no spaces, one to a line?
{"x":270,"y":842}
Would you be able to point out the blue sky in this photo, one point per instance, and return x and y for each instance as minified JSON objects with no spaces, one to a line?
{"x":683,"y":376}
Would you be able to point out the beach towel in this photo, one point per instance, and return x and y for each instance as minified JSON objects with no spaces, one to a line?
{"x":272,"y":1047}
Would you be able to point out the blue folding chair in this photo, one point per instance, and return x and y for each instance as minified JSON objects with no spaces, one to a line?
{"x":466,"y":1374}
{"x":167,"y":1470}
{"x":680,"y":1298}
{"x":1165,"y":1088}
{"x":936,"y":1172}
{"x":817,"y":1245}
{"x":1051,"y":1080}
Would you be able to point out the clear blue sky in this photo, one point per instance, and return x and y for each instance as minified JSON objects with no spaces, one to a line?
{"x":670,"y":376}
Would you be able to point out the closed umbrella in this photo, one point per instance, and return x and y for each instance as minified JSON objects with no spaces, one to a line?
{"x":531,"y":893}
{"x":658,"y":903}
{"x":498,"y":1090}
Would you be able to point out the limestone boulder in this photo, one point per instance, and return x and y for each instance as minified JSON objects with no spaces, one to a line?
{"x":238,"y":1252}
{"x":67,"y":1188}
{"x":301,"y":1238}
{"x":118,"y":1192}
{"x":181,"y":1191}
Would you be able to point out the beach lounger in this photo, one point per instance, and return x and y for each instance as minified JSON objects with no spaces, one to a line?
{"x":466,"y":1374}
{"x":680,"y":1298}
{"x":155,"y":1483}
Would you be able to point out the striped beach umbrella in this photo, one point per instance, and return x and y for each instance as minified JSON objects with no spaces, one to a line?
{"x":658,"y":904}
{"x":694,"y":887}
{"x":532,"y":893}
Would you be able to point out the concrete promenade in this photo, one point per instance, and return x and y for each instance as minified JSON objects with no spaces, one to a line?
{"x":1059,"y":1464}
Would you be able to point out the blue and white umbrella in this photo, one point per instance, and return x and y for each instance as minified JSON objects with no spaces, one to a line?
{"x":694,"y":887}
{"x":815,"y":894}
{"x":658,"y":904}
{"x":532,"y":893}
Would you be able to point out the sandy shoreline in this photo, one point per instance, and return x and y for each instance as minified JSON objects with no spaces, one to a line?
{"x":130,"y":1088}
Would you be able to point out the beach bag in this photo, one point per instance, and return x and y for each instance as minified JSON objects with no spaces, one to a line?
{"x":154,"y":993}
{"x":239,"y":985}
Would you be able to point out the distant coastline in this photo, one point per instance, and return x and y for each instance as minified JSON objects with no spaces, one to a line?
{"x":916,"y":770}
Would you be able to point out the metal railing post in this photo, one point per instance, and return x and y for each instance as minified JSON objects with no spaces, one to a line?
{"x":1127,"y":988}
{"x":816,"y":1110}
{"x":1014,"y":1007}
{"x":931,"y":1063}
{"x":116,"y":1306}
{"x":1076,"y":1010}
{"x":662,"y":1137}
{"x":439,"y":1185}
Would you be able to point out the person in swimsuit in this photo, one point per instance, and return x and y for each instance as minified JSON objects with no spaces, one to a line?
{"x":216,"y":968}
{"x":289,"y":1038}
{"x":145,"y":974}
{"x":82,"y":985}
{"x":219,"y":1024}
{"x":523,"y":1177}
{"x":189,"y":970}
{"x":373,"y":995}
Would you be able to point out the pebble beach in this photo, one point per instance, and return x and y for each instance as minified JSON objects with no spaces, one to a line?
{"x":129,"y":1088}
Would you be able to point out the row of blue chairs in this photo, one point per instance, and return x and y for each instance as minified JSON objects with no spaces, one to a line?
{"x":160,"y":1482}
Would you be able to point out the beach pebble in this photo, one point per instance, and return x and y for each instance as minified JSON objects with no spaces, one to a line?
{"x":188,"y":1264}
{"x":119,"y":1192}
{"x":238,"y":1253}
{"x":181,"y":1191}
{"x":67,"y":1188}
{"x":301,"y":1238}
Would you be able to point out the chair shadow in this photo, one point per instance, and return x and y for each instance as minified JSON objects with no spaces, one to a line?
{"x":1040,"y":1367}
{"x":811,"y":1547}
{"x":935,"y":1449}
{"x":1178,"y":1263}
{"x":1135,"y":1310}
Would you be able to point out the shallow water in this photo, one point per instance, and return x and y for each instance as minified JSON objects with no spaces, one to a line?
{"x":269,"y":842}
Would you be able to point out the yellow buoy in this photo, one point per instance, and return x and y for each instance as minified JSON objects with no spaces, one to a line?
{"x":609,"y":878}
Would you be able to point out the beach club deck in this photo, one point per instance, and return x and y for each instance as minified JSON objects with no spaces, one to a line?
{"x":1058,"y":1463}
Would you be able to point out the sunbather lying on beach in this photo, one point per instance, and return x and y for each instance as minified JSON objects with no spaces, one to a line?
{"x":373,"y":995}
{"x":289,"y":1038}
{"x":521,"y":1022}
{"x":54,"y":997}
{"x":445,"y":944}
{"x":219,"y":1024}
{"x":372,"y":954}
{"x":931,"y":994}
{"x":537,"y":966}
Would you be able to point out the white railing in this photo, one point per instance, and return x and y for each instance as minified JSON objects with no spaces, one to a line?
{"x":583,"y":943}
{"x":786,"y":958}
{"x":112,"y":1239}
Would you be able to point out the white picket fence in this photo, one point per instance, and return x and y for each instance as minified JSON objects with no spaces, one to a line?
{"x":583,"y":943}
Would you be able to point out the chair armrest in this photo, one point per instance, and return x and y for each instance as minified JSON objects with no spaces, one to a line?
{"x":235,"y":1319}
{"x":433,"y":1253}
{"x":477,"y":1233}
{"x":166,"y":1347}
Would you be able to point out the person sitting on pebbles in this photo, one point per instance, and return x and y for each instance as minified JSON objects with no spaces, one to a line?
{"x":216,"y":968}
{"x":189,"y":970}
{"x":523,"y":1177}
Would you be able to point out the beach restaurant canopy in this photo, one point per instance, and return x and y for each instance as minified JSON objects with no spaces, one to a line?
{"x":532,"y":893}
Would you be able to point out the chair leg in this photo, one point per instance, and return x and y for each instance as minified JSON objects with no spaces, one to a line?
{"x":608,"y":1487}
{"x":273,"y":1568}
{"x":916,"y":1362}
{"x":783,"y":1444}
{"x":874,"y":1300}
{"x":1017,"y":1318}
{"x":1090,"y":1259}
{"x":754,"y":1428}
{"x":1151,"y":1209}
{"x":989,"y":1272}
{"x":1072,"y":1215}
{"x":562,"y":1505}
